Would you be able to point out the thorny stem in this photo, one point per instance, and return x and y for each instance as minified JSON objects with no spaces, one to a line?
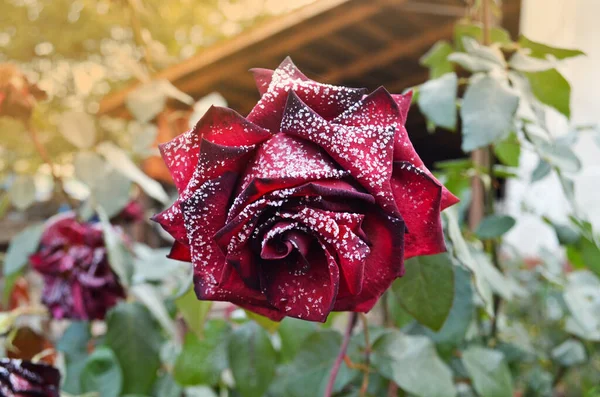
{"x":46,"y":158}
{"x":365,"y":381}
{"x":340,"y":358}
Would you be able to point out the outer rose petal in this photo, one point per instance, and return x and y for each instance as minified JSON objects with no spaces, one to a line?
{"x":180,"y":252}
{"x":214,"y":160}
{"x":214,"y":279}
{"x":309,"y":295}
{"x":404,"y":150}
{"x":383,"y":265}
{"x":219,"y":125}
{"x":24,"y":378}
{"x":418,"y":197}
{"x":263,"y":78}
{"x":327,"y":100}
{"x":360,"y":139}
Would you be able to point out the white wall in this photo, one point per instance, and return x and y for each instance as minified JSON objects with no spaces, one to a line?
{"x":570,"y":24}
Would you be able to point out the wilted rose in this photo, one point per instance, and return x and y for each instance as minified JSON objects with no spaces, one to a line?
{"x":301,"y":207}
{"x":24,"y":378}
{"x":78,"y":280}
{"x":17,"y":95}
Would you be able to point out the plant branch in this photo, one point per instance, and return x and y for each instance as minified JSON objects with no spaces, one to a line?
{"x":365,"y":381}
{"x":340,"y":358}
{"x":46,"y":158}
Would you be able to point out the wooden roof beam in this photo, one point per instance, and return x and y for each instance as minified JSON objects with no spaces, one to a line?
{"x":375,"y":31}
{"x":392,"y":52}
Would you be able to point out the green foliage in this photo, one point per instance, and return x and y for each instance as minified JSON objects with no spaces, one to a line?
{"x":135,"y":339}
{"x":437,"y":100}
{"x":508,"y":151}
{"x":21,"y":247}
{"x":540,"y":50}
{"x":194,"y":312}
{"x":412,"y":362}
{"x":480,"y":126}
{"x":426,"y":291}
{"x":552,"y":89}
{"x":494,"y":226}
{"x":202,"y":360}
{"x":101,"y":373}
{"x":491,"y":376}
{"x":308,"y":373}
{"x":436,"y":59}
{"x":74,"y":345}
{"x":252,"y":359}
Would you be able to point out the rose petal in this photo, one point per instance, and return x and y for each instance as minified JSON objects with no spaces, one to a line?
{"x":383,"y":265}
{"x":404,"y":150}
{"x":419,"y":197}
{"x":327,"y":100}
{"x":360,"y":140}
{"x":262,"y":78}
{"x":180,"y":252}
{"x":204,"y":213}
{"x":283,"y":162}
{"x":307,"y":294}
{"x":215,"y":160}
{"x":219,"y":125}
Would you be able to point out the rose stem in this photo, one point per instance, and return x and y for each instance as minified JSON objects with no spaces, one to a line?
{"x":46,"y":158}
{"x":338,"y":361}
{"x":491,"y":245}
{"x":365,"y":381}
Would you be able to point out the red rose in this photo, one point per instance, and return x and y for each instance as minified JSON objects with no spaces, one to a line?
{"x":78,"y":280}
{"x":24,"y":378}
{"x":301,"y":207}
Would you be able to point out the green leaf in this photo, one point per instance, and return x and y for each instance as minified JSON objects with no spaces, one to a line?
{"x":309,"y":372}
{"x":150,"y":297}
{"x":21,"y":247}
{"x":475,"y":31}
{"x":494,"y":226}
{"x":90,"y":168}
{"x":539,"y":50}
{"x":135,"y":339}
{"x":481,"y":126}
{"x":524,"y":63}
{"x":199,"y":391}
{"x":437,"y":100}
{"x":119,"y":256}
{"x":149,"y":100}
{"x":566,"y":234}
{"x":202,"y":360}
{"x":102,"y":373}
{"x":436,"y":59}
{"x":560,"y":156}
{"x":569,"y":353}
{"x":582,"y":296}
{"x":4,"y":204}
{"x":413,"y":364}
{"x":552,"y":89}
{"x":269,"y":325}
{"x":541,"y":171}
{"x":508,"y":151}
{"x":194,"y":311}
{"x":461,"y":314}
{"x":252,"y":359}
{"x":119,"y":160}
{"x":427,"y":289}
{"x":113,"y":194}
{"x":166,"y":386}
{"x":22,"y":192}
{"x":74,"y":345}
{"x":489,"y":372}
{"x":293,"y":332}
{"x":8,"y":283}
{"x":78,"y":129}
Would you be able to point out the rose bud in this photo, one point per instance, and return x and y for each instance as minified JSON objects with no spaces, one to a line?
{"x":308,"y":205}
{"x":24,"y":378}
{"x":17,"y":95}
{"x":78,"y":280}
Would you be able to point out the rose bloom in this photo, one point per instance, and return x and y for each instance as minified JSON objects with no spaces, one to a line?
{"x":17,"y":95}
{"x":24,"y":378}
{"x":78,"y":280}
{"x":309,"y":204}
